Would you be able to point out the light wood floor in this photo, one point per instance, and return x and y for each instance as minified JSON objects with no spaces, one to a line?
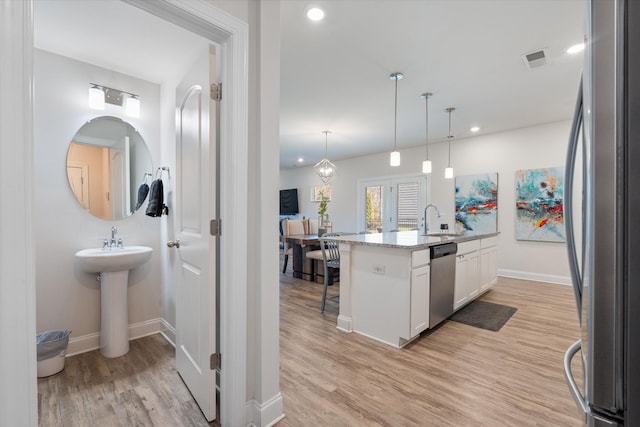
{"x":456,"y":375}
{"x":141,"y":388}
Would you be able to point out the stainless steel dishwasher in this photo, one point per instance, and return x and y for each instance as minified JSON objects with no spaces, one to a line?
{"x":443,"y":276}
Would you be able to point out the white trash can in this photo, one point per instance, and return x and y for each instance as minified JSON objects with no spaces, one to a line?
{"x":52,"y":349}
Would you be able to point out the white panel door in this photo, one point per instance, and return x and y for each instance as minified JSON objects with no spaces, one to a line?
{"x":195,"y":207}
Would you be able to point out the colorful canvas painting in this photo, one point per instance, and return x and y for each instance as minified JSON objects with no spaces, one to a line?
{"x":477,"y":204}
{"x":540,"y":204}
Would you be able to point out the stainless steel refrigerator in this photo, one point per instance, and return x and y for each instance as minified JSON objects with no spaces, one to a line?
{"x":605,"y":267}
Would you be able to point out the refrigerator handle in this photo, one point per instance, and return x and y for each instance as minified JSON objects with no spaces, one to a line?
{"x":568,"y":203}
{"x":583,"y":407}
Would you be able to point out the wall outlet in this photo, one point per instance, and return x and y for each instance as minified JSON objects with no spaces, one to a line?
{"x":378,"y":269}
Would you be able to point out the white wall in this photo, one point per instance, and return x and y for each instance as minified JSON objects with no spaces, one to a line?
{"x":66,"y":297}
{"x":18,"y":388}
{"x":264,"y":401}
{"x":506,"y":152}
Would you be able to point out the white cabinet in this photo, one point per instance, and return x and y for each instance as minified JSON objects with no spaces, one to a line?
{"x":389,"y":292}
{"x":419,"y":300}
{"x":488,"y":268}
{"x":488,"y":263}
{"x":467,"y":285}
{"x":419,"y":295}
{"x":476,"y":269}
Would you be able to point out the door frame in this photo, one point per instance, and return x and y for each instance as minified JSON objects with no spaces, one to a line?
{"x":232,"y":35}
{"x":18,"y":390}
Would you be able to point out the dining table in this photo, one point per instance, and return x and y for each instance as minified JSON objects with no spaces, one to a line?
{"x":303,"y":267}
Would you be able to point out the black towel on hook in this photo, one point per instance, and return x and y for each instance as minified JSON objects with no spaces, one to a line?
{"x":156,"y":198}
{"x":143,"y":190}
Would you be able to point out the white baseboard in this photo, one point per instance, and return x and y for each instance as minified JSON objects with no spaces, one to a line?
{"x":344,"y":324}
{"x":83,"y":344}
{"x":90,"y":342}
{"x":168,"y":332}
{"x":266,"y":414}
{"x":526,"y":275}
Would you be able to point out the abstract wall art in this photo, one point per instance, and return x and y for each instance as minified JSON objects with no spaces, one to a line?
{"x":540,"y":204}
{"x":477,"y":203}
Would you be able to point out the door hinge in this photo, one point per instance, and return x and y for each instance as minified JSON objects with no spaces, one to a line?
{"x":216,"y":91}
{"x":215,"y":361}
{"x":215,"y":227}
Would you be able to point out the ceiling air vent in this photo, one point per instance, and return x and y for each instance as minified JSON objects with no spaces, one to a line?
{"x":536,"y":59}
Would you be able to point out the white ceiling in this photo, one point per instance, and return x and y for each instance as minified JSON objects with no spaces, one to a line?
{"x":335,"y":73}
{"x":113,"y":35}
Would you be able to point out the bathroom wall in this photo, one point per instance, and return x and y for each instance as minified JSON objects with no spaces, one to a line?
{"x":505,"y":152}
{"x":66,"y":297}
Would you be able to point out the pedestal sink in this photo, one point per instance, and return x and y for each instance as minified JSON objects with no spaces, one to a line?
{"x":113,"y":265}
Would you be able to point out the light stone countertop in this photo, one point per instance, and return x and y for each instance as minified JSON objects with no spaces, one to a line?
{"x":405,"y":239}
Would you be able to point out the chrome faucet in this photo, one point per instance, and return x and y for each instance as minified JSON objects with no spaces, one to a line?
{"x":426,"y":218}
{"x":114,"y":231}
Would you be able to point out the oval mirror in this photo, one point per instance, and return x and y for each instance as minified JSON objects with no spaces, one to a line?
{"x":109,"y":168}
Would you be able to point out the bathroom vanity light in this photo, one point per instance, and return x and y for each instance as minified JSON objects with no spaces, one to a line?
{"x":426,"y":165}
{"x":324,"y":168}
{"x":132,"y":106}
{"x":96,"y":98}
{"x":448,"y":172}
{"x":394,"y":159}
{"x":99,"y":95}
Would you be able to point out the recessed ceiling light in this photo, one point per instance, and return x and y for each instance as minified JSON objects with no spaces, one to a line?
{"x":474,"y":129}
{"x":300,"y":160}
{"x":315,"y":14}
{"x":576,"y":48}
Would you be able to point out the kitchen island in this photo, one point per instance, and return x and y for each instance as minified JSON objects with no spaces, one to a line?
{"x":385,"y":281}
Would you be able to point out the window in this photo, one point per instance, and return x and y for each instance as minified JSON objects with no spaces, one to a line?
{"x":407,"y":199}
{"x":373,"y":208}
{"x":389,"y":204}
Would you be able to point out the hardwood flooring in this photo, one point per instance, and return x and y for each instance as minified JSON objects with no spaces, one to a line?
{"x":456,"y":375}
{"x":141,"y":388}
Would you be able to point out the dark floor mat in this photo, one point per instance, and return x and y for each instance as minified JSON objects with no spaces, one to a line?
{"x":485,"y":315}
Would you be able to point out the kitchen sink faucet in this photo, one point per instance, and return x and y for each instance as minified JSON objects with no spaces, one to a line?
{"x":426,"y":218}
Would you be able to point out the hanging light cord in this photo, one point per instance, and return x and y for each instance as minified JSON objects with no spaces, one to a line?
{"x":395,"y":119}
{"x":450,"y":109}
{"x":325,"y":142}
{"x":426,"y":124}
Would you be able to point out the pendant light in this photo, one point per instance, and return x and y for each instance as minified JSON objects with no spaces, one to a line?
{"x":324,"y":168}
{"x":448,"y":172}
{"x":426,"y":165}
{"x":394,"y":159}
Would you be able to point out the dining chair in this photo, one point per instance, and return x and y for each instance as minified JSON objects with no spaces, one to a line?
{"x":331,"y":260}
{"x":292,"y":227}
{"x":313,"y":226}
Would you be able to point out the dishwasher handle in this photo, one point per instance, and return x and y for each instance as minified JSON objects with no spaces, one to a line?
{"x":443,"y":250}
